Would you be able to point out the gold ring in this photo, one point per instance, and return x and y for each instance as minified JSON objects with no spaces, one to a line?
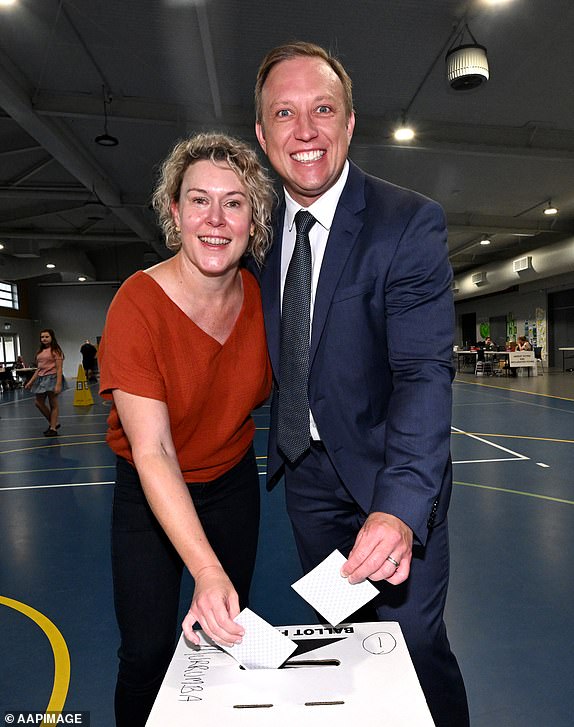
{"x":393,"y":561}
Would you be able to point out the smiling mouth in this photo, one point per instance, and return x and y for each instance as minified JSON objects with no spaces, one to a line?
{"x":215,"y":241}
{"x":308,"y":156}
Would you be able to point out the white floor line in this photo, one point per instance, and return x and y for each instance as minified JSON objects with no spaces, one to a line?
{"x":50,"y":487}
{"x":490,"y":444}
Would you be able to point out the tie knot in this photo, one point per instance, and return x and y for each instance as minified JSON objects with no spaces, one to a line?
{"x":304,"y":221}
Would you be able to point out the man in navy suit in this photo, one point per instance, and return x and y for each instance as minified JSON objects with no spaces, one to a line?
{"x":375,"y":478}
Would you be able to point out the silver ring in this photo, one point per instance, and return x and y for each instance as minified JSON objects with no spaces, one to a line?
{"x":393,"y":561}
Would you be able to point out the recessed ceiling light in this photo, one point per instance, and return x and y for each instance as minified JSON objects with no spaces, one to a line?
{"x":50,"y":265}
{"x":82,"y":279}
{"x":485,"y":241}
{"x":1,"y":246}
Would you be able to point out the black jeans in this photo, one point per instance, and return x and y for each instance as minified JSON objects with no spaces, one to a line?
{"x":147,"y":573}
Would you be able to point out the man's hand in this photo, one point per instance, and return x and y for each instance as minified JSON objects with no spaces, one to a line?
{"x":383,"y":541}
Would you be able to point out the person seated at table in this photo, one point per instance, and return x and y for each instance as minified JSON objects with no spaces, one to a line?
{"x":487,"y":345}
{"x":6,"y":379}
{"x":523,"y":344}
{"x":482,"y":346}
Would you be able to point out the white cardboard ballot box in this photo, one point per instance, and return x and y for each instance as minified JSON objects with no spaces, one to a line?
{"x":339,"y":676}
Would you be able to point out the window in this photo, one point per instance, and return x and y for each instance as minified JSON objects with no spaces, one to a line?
{"x":8,"y":295}
{"x":9,"y":349}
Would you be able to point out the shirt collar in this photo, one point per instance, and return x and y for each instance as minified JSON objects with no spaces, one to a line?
{"x":323,"y":210}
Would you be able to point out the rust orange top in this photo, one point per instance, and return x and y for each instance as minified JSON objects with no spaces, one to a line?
{"x":151,"y":348}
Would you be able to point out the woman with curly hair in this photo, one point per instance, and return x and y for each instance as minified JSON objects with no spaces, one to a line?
{"x":183,"y":357}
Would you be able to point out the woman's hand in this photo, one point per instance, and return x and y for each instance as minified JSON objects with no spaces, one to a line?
{"x":215,"y":604}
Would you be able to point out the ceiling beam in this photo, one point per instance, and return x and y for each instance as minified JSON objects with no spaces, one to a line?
{"x":68,"y":151}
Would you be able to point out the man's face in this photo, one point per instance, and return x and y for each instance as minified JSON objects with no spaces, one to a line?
{"x":304,"y":130}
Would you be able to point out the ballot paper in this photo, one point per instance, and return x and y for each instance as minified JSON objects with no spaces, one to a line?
{"x":330,"y":594}
{"x":262,"y":647}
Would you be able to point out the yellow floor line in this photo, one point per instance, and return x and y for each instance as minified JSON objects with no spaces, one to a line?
{"x":515,"y":492}
{"x":509,"y":388}
{"x":517,"y":436}
{"x":59,"y":649}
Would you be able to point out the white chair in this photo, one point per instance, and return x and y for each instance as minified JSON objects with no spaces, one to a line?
{"x":483,"y":368}
{"x":538,"y":357}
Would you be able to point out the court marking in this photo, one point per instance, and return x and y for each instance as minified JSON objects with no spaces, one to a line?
{"x":515,"y":455}
{"x":58,"y":469}
{"x":51,"y":487}
{"x":516,"y":391}
{"x":520,"y":436}
{"x":515,"y":492}
{"x":59,"y":650}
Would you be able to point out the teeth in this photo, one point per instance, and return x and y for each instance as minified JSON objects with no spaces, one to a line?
{"x":215,"y":240}
{"x":308,"y":156}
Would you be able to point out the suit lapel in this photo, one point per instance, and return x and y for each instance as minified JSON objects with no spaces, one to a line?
{"x":271,"y":289}
{"x":344,"y":231}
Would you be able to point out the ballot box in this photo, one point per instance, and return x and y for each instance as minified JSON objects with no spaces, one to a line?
{"x":338,"y":676}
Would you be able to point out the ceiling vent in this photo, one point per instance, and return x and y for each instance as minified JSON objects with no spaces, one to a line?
{"x":26,"y":248}
{"x":522,"y":264}
{"x":479,"y":278}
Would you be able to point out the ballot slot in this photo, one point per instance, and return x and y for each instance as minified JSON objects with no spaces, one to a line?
{"x":309,"y":663}
{"x":333,"y":703}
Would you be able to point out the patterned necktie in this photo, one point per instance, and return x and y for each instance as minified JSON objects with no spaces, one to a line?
{"x":293,"y":405}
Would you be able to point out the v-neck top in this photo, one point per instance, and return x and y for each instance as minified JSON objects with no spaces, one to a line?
{"x":151,"y":348}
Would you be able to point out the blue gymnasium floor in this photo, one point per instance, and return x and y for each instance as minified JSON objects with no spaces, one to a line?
{"x":512,"y":529}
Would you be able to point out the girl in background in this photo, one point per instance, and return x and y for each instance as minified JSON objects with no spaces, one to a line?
{"x":46,"y":383}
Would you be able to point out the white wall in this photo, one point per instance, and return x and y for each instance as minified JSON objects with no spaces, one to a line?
{"x":524,"y":304}
{"x":521,"y":306}
{"x":75,"y":313}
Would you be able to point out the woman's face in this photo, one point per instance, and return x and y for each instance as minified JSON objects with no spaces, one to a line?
{"x":214,"y":215}
{"x":45,"y":339}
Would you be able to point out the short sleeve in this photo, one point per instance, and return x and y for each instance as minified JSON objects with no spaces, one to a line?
{"x":127,"y":358}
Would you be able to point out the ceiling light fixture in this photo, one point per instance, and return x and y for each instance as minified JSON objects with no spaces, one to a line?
{"x":466,"y":63}
{"x":106,"y":139}
{"x":404,"y":132}
{"x":50,"y":266}
{"x":550,"y":209}
{"x":82,"y":279}
{"x":485,"y":240}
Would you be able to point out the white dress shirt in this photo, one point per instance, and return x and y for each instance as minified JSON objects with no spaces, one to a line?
{"x":323,"y":210}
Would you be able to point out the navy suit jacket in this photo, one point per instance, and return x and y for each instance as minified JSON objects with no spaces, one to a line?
{"x":381,"y":350}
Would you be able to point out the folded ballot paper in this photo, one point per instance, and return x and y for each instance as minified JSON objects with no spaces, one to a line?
{"x":262,"y":647}
{"x":332,"y":595}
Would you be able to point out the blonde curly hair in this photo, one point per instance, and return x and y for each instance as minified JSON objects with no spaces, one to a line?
{"x":219,"y":149}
